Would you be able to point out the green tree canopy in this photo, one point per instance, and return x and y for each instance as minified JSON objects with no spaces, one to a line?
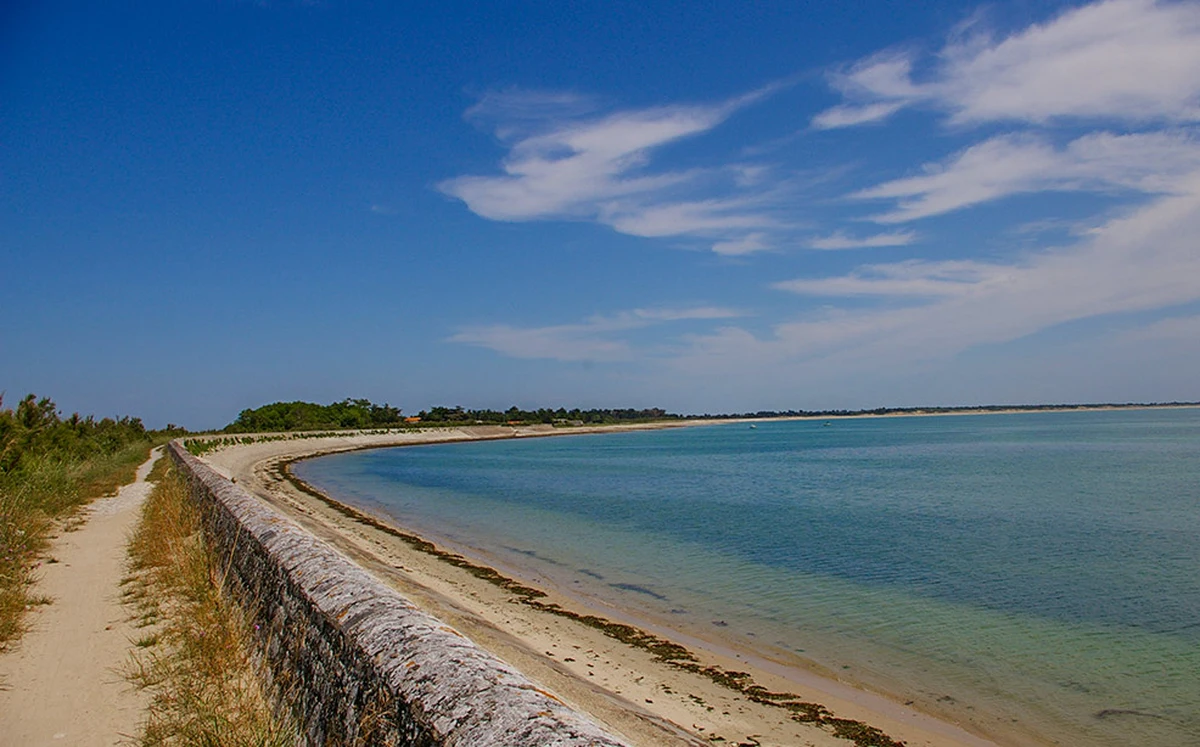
{"x":35,"y":428}
{"x":308,"y":416}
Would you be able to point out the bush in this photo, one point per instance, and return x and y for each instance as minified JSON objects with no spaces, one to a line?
{"x":49,"y":465}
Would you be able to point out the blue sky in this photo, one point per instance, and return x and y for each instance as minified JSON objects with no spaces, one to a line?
{"x":708,"y":207}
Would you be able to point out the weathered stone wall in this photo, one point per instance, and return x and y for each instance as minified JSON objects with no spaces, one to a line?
{"x":353,"y":660}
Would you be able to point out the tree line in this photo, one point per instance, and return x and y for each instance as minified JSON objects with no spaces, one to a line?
{"x":545,"y":415}
{"x":364,"y":414}
{"x":50,"y":464}
{"x":308,"y":416}
{"x":935,"y":410}
{"x":35,"y":430}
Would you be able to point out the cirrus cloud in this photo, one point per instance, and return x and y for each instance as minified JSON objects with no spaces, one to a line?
{"x":592,"y":340}
{"x":565,"y":162}
{"x":1154,"y":162}
{"x":839,"y":240}
{"x":1143,"y":261}
{"x":1125,"y":60}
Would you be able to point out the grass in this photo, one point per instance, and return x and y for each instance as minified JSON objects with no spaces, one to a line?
{"x":201,"y":445}
{"x":197,"y":661}
{"x":44,"y":495}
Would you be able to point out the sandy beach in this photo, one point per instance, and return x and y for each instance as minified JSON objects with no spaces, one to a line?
{"x":624,"y":686}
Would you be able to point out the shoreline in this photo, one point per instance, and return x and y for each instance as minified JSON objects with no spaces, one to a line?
{"x":651,"y":687}
{"x":536,"y":430}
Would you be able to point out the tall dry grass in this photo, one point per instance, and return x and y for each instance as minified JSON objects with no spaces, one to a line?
{"x":49,"y":486}
{"x":196,"y":656}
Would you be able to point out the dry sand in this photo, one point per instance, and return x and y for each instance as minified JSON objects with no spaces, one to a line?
{"x":646,"y":701}
{"x":62,"y":683}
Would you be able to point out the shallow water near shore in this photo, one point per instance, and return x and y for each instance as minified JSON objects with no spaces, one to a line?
{"x":1041,"y":569}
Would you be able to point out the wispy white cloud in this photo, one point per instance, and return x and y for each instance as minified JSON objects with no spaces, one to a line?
{"x":1102,"y":98}
{"x":1184,"y":329}
{"x":705,"y":217}
{"x":875,"y":89}
{"x":1013,"y":164}
{"x":749,"y":175}
{"x":908,"y":278}
{"x":749,"y":244}
{"x":1124,"y":60}
{"x":838,"y":240}
{"x":572,"y":171}
{"x":1146,"y":260}
{"x":1051,"y":225}
{"x":675,"y":315}
{"x":519,"y":112}
{"x":566,"y":162}
{"x":849,"y":115}
{"x":592,"y":340}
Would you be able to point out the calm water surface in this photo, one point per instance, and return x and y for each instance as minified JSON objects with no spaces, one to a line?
{"x":1040,"y":569}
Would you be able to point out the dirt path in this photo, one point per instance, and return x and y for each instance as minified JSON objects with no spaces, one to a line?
{"x":62,"y":684}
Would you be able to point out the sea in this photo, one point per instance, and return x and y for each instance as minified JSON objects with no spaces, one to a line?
{"x":1032,"y":573}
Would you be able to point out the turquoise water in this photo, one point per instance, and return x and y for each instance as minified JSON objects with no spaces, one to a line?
{"x":1032,"y":570}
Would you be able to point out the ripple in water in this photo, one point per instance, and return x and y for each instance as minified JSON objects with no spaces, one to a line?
{"x":1040,"y":567}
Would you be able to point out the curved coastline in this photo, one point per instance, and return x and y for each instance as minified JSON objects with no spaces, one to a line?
{"x":759,"y":706}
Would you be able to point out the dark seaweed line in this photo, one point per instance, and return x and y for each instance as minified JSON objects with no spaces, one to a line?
{"x":668,"y":652}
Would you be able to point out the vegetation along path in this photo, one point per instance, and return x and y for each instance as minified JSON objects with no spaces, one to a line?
{"x":63,"y":683}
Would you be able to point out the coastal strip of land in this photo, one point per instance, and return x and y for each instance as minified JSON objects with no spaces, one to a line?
{"x":651,"y":685}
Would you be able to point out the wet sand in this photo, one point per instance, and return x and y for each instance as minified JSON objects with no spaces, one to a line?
{"x":588,"y":656}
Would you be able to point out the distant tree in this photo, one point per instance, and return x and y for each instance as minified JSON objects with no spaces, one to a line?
{"x":543,"y":415}
{"x":307,"y":416}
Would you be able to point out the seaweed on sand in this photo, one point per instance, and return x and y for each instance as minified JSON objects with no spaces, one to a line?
{"x":665,"y":651}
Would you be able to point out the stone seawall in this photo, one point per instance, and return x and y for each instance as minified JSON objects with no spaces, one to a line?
{"x":353,"y":660}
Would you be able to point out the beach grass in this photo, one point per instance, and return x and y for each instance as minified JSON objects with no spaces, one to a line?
{"x":196,"y":657}
{"x":39,"y":498}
